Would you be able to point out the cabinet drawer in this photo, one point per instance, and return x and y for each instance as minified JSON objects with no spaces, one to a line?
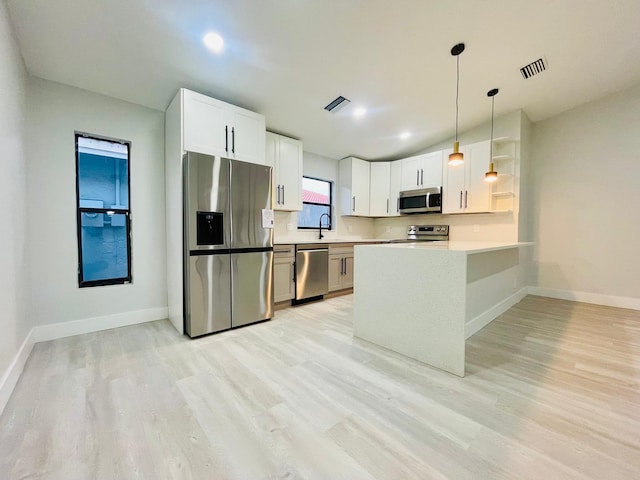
{"x":283,"y":251}
{"x":340,"y":249}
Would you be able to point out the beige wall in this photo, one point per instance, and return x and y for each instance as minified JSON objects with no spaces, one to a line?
{"x":586,"y":192}
{"x":14,"y":323}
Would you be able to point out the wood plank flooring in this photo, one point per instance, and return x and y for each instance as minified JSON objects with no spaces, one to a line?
{"x":551,"y":392}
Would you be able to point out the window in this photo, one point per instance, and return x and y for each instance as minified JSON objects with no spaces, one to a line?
{"x":103,"y":213}
{"x":316,"y":200}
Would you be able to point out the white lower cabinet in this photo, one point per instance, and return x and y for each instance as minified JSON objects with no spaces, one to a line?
{"x":340,"y":267}
{"x":465,"y":190}
{"x":283,"y":273}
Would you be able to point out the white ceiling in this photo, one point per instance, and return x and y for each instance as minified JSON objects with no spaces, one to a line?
{"x":289,"y":58}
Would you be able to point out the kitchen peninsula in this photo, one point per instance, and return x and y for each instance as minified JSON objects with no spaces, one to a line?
{"x":424,"y":300}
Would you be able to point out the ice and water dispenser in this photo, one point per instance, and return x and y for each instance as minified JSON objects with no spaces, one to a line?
{"x":209,"y":228}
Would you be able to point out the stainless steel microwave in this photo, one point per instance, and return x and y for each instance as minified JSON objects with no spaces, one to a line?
{"x":424,"y":200}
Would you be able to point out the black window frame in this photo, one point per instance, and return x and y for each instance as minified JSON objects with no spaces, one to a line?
{"x":330,"y":204}
{"x":112,"y":211}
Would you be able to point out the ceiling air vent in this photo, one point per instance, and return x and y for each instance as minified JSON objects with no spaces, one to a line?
{"x":533,"y":68}
{"x":337,"y":104}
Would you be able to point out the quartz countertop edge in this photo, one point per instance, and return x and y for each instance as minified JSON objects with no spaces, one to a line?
{"x":329,"y":241}
{"x":468,"y":247}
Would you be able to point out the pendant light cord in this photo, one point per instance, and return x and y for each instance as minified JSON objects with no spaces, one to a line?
{"x":493,"y":103}
{"x":457,"y":90}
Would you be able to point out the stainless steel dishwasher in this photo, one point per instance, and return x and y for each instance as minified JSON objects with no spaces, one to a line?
{"x":312,"y":271}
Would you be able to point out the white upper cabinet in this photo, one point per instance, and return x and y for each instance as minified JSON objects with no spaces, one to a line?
{"x":395,"y":188}
{"x":465,"y":190}
{"x":422,"y":171}
{"x":284,"y":154}
{"x":354,"y":187}
{"x":379,"y":194}
{"x":214,"y":127}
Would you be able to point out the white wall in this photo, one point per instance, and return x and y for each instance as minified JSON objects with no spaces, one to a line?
{"x":55,"y":112}
{"x":14,"y":324}
{"x":344,"y":227}
{"x":586,"y":178}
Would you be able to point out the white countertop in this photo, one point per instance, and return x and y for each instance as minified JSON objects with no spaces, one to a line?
{"x":468,"y":247}
{"x":292,"y":241}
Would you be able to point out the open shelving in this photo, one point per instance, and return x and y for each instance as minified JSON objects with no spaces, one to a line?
{"x":503,"y":189}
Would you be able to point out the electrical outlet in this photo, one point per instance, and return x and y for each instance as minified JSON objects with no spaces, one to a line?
{"x":289,"y":227}
{"x":476,"y":228}
{"x":388,"y":229}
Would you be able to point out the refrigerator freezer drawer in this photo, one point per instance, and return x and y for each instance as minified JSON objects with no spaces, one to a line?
{"x":251,"y":287}
{"x":209,"y":299}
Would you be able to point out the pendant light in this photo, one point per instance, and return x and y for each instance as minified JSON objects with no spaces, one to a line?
{"x":456,"y":158}
{"x":491,"y":175}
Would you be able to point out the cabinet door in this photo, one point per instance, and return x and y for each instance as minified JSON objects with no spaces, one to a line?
{"x":431,"y":170}
{"x":289,"y":173}
{"x":335,"y":272}
{"x":347,"y":277}
{"x":395,"y":187}
{"x":379,"y":202}
{"x":360,"y":186}
{"x":283,"y":286}
{"x":454,"y":183}
{"x":411,"y":173}
{"x":204,"y":121}
{"x":246,"y":135}
{"x":478,"y":192}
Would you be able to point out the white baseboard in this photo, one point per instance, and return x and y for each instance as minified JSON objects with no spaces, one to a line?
{"x":586,"y":297}
{"x":486,"y":317}
{"x":53,"y":331}
{"x":12,"y":374}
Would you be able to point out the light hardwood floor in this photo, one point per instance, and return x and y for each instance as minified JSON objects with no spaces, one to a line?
{"x":551,"y":392}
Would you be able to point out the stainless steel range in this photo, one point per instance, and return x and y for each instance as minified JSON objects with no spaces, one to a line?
{"x":425,"y":233}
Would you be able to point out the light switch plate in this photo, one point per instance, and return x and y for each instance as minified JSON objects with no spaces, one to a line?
{"x":289,"y":227}
{"x":387,"y":229}
{"x":350,"y":228}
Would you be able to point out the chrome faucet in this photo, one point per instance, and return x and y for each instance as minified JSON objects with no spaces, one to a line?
{"x":320,"y":236}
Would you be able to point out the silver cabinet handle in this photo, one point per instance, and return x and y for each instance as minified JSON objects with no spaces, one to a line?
{"x":344,"y":266}
{"x":387,"y":205}
{"x":466,"y":198}
{"x":354,"y":203}
{"x":417,"y":177}
{"x":226,"y":138}
{"x":233,"y":140}
{"x":278,"y":195}
{"x":283,"y":194}
{"x":398,"y":205}
{"x":460,"y":198}
{"x":421,"y":177}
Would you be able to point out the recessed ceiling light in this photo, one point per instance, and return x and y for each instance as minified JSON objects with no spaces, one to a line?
{"x":405,"y":135}
{"x":359,"y":112}
{"x":214,"y":42}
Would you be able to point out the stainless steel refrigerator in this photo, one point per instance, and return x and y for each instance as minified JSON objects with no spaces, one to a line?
{"x":228,"y":244}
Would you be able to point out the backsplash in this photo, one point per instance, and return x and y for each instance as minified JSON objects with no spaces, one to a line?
{"x":353,"y":228}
